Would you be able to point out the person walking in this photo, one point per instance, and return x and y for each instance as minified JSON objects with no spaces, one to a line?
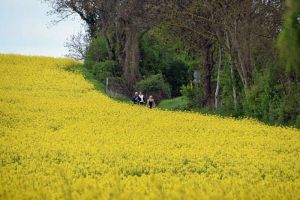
{"x":150,"y":102}
{"x":142,"y":101}
{"x":135,"y":99}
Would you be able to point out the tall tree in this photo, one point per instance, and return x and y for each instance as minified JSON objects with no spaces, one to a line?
{"x":120,"y":22}
{"x":289,"y":40}
{"x":135,"y":17}
{"x":77,"y":45}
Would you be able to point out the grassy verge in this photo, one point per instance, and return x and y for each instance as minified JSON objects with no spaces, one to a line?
{"x":88,"y":75}
{"x":178,"y":103}
{"x":99,"y":86}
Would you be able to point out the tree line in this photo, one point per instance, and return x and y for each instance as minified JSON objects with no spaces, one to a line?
{"x":232,"y":57}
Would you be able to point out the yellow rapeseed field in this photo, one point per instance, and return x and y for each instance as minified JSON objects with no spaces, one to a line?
{"x":61,"y":139}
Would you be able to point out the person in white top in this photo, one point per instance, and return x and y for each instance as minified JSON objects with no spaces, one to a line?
{"x":142,"y":101}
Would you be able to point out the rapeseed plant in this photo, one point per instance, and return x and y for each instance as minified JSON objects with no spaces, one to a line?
{"x":61,"y":139}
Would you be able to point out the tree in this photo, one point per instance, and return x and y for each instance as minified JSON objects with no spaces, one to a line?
{"x":248,"y":25}
{"x":191,"y":22}
{"x":135,"y":17}
{"x":121,"y":22}
{"x":289,"y":40}
{"x":77,"y":46}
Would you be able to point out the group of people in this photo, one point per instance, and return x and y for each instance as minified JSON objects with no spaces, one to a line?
{"x":138,"y":98}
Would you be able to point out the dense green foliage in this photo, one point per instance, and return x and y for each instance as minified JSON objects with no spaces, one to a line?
{"x":105,"y":69}
{"x":96,"y":52}
{"x":167,"y":65}
{"x":98,"y":62}
{"x":178,"y":103}
{"x":164,"y":67}
{"x":165,"y":57}
{"x":269,"y":100}
{"x":176,"y":74}
{"x":155,"y":85}
{"x":289,"y":39}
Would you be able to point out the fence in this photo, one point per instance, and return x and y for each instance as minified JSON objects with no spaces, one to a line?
{"x":117,"y":88}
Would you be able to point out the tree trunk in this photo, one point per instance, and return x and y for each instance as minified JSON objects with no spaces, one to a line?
{"x":240,"y":44}
{"x":131,"y":56}
{"x":111,"y":55}
{"x":245,"y":66}
{"x":126,"y":50}
{"x":218,"y":79}
{"x":208,"y":66}
{"x":119,"y":39}
{"x":233,"y":87}
{"x":229,"y":47}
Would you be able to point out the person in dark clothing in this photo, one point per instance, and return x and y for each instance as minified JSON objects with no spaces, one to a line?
{"x":136,"y":99}
{"x":150,"y":102}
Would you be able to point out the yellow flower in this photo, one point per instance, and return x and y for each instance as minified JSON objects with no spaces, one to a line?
{"x":61,"y":139}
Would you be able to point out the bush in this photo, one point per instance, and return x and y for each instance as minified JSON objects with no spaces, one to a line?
{"x":259,"y":96}
{"x":160,"y":55}
{"x":105,"y":69}
{"x":155,"y":85}
{"x":96,"y":52}
{"x":152,"y":56}
{"x":270,"y":101}
{"x":193,"y":93}
{"x":176,"y":73}
{"x":289,"y":112}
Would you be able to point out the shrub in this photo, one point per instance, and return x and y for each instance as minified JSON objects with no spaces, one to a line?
{"x":96,"y":52}
{"x":105,"y":69}
{"x":155,"y":85}
{"x":193,"y":92}
{"x":176,"y":73}
{"x":289,"y":112}
{"x":270,"y":101}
